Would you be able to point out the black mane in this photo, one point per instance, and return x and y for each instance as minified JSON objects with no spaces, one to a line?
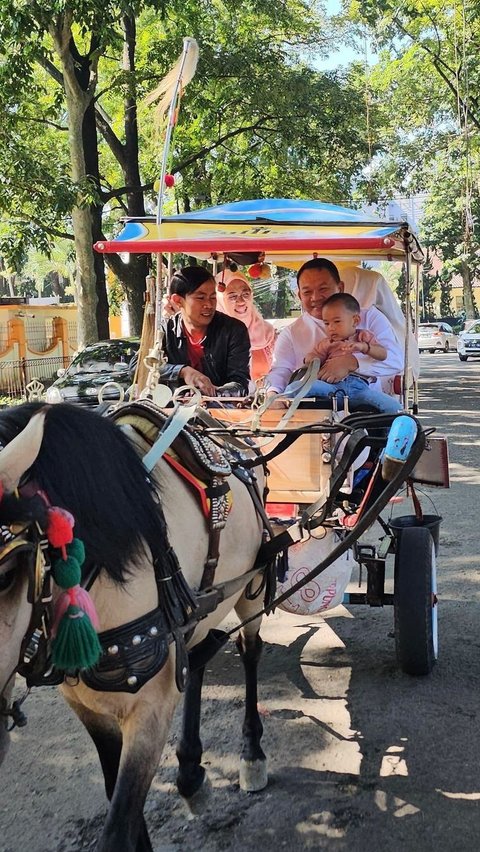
{"x":88,"y":466}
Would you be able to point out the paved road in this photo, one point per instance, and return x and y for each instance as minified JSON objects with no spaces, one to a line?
{"x":361,"y":756}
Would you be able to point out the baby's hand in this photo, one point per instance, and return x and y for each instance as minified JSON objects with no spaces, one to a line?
{"x":356,"y":346}
{"x":349,"y":347}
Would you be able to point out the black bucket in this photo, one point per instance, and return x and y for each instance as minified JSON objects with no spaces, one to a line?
{"x":431,"y":522}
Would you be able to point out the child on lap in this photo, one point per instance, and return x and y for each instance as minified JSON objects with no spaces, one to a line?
{"x":341,"y":316}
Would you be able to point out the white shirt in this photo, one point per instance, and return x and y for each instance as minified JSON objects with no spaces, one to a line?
{"x":299,"y":338}
{"x":370,"y":288}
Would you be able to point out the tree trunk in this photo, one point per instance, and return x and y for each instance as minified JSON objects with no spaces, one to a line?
{"x":92,"y":168}
{"x":468,"y":301}
{"x":77,"y":100}
{"x":133,"y":274}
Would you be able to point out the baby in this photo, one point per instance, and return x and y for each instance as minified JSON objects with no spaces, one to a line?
{"x":341,"y":317}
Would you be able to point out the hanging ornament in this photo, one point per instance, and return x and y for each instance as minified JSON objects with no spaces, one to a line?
{"x":260,"y":270}
{"x":75,"y":643}
{"x":255,"y":270}
{"x":169,"y":180}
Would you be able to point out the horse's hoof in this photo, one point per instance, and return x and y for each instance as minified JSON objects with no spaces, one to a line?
{"x":197,"y":803}
{"x":253,"y":775}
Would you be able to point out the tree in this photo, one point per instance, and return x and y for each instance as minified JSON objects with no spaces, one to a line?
{"x":249,"y":127}
{"x":426,"y":82}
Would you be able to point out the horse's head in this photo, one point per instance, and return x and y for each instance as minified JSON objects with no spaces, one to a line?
{"x":21,"y":520}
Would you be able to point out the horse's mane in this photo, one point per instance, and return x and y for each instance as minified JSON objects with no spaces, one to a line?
{"x":88,"y":466}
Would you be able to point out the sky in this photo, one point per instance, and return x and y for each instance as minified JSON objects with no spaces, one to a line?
{"x":345,"y":54}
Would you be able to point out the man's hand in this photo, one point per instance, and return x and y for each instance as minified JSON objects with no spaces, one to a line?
{"x":198,"y":380}
{"x":336,"y":369}
{"x":277,"y":403}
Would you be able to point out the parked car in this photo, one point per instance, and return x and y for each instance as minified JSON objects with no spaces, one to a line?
{"x":436,"y":335}
{"x":469,"y":342}
{"x":107,"y":361}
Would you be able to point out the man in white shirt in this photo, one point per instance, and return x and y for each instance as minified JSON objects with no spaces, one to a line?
{"x":317,"y":280}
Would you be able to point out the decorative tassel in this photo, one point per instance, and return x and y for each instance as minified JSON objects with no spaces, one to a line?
{"x":75,"y":642}
{"x":76,"y":645}
{"x":60,"y":528}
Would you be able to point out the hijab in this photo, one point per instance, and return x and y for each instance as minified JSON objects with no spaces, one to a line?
{"x":261,"y":332}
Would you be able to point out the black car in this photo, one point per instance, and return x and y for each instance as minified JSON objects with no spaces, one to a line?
{"x":93,"y":367}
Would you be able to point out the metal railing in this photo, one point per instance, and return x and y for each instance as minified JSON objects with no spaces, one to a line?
{"x":15,"y":375}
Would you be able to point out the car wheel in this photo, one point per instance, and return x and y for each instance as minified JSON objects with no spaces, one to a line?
{"x":463,"y":357}
{"x":447,"y":346}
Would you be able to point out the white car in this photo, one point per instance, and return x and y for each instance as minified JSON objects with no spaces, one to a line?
{"x":469,"y":343}
{"x":436,"y":335}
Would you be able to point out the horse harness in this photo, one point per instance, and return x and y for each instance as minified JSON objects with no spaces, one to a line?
{"x":133,"y":653}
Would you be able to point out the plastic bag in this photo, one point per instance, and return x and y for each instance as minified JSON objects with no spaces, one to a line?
{"x":326,"y":590}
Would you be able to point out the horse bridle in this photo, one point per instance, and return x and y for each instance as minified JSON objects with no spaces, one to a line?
{"x":28,"y":538}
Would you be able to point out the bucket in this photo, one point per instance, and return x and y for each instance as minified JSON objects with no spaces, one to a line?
{"x":431,"y":522}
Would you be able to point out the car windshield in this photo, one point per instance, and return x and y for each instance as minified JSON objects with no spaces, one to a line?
{"x":474,"y":329}
{"x":102,"y":358}
{"x":430,"y":327}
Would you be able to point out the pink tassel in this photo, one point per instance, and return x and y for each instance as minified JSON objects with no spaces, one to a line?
{"x":85,"y":602}
{"x":75,"y":596}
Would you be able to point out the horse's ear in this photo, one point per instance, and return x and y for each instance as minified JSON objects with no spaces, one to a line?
{"x":21,"y":453}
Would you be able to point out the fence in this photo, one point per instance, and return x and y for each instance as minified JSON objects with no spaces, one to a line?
{"x":15,"y":375}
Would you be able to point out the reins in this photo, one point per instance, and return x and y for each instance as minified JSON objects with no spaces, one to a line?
{"x":368,"y":518}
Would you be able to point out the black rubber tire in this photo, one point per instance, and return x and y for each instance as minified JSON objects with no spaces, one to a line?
{"x":432,"y":351}
{"x":415,"y":631}
{"x":463,"y":357}
{"x":447,"y":346}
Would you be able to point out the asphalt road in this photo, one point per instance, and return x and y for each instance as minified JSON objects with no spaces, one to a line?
{"x":361,"y":756}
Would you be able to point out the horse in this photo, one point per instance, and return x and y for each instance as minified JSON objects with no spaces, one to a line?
{"x":133,"y":525}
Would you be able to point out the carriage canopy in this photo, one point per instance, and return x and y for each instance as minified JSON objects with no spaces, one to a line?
{"x":286,"y":231}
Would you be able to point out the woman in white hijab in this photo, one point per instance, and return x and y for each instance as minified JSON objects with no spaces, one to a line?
{"x":235,"y":298}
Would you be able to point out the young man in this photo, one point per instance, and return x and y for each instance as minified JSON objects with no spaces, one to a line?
{"x":203,"y":347}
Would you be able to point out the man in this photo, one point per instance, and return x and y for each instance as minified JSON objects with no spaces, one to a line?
{"x":203,"y":347}
{"x":318,"y":279}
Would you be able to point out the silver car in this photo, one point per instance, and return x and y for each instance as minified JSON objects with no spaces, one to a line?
{"x":469,"y":343}
{"x":436,"y":335}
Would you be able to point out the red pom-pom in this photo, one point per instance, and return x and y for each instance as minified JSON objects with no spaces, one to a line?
{"x":169,"y":180}
{"x":60,"y":527}
{"x":255,"y":271}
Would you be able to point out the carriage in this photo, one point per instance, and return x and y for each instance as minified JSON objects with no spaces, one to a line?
{"x":316,"y":490}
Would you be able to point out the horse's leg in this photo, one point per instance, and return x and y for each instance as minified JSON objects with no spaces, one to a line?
{"x":253,"y":763}
{"x":191,"y":778}
{"x":144,"y":721}
{"x":107,"y":738}
{"x":191,"y":774}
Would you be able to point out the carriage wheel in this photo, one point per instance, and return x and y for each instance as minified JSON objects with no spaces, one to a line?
{"x":415,"y":601}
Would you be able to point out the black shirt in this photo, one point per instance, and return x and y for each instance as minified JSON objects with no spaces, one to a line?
{"x":226,"y":351}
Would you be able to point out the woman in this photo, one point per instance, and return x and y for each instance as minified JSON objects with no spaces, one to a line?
{"x":235,"y":298}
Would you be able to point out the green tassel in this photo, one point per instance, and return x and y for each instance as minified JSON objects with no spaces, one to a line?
{"x":67,"y":572}
{"x":76,"y":645}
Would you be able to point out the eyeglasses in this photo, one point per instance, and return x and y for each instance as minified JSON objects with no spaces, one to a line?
{"x":244,"y":295}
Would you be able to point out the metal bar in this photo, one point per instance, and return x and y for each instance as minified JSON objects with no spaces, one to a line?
{"x":224,"y":243}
